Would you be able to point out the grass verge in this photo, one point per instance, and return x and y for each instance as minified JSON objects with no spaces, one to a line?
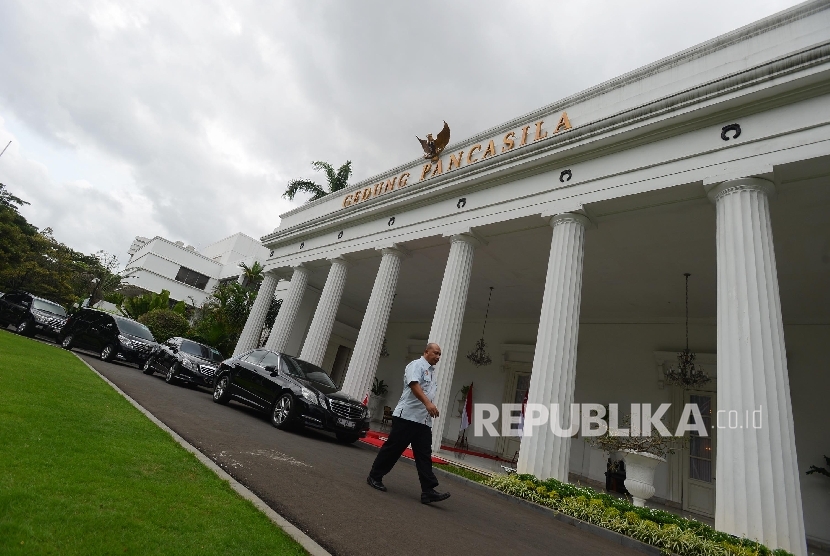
{"x":461,"y":472}
{"x":83,"y":472}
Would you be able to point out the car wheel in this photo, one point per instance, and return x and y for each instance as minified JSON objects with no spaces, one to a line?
{"x":107,"y":353}
{"x":170,"y":377}
{"x":147,"y":369}
{"x":285,"y":412}
{"x":347,"y":438}
{"x":66,"y":343}
{"x":222,"y":390}
{"x":24,"y":328}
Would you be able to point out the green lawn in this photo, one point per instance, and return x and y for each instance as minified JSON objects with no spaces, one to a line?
{"x":83,"y":472}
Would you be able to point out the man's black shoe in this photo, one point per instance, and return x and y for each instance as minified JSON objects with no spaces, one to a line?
{"x":432,"y":496}
{"x":376,"y":484}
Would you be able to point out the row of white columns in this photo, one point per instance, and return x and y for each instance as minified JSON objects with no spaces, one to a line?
{"x":757,"y":490}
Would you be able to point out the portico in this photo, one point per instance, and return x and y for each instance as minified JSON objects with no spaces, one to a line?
{"x":714,"y":162}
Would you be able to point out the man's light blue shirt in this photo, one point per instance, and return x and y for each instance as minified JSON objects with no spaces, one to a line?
{"x":409,"y":407}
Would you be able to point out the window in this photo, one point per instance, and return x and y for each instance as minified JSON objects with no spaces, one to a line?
{"x":271,"y":359}
{"x":192,"y":278}
{"x":255,"y":356}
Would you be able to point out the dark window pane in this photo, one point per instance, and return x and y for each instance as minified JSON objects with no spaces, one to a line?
{"x":255,"y":356}
{"x":192,"y":278}
{"x":271,"y":359}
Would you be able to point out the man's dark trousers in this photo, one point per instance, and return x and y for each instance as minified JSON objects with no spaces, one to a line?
{"x":405,"y":432}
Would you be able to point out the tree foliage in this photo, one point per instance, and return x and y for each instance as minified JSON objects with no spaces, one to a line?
{"x":252,"y":276}
{"x":337,"y":180}
{"x":135,"y":307}
{"x":222,"y":316}
{"x":164,"y":323}
{"x":36,"y":261}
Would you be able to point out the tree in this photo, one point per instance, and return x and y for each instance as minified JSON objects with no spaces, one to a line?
{"x":222,"y":316}
{"x":336,"y":181}
{"x":135,"y":307}
{"x":164,"y":324}
{"x":251,"y":275}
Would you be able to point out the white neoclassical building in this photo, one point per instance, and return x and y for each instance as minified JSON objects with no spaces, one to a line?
{"x":584,"y":216}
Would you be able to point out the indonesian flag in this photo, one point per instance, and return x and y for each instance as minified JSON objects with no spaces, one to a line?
{"x":467,"y":414}
{"x":522,"y":422}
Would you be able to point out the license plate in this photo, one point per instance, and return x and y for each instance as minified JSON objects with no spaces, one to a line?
{"x":345,"y":423}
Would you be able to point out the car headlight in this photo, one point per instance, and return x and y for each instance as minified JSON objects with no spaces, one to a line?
{"x":322,"y":399}
{"x":125,"y":341}
{"x":309,"y":395}
{"x":188,"y":364}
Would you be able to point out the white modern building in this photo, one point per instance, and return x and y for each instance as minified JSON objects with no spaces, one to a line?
{"x":584,"y":216}
{"x":189,"y":275}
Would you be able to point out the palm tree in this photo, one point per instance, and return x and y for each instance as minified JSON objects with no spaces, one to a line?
{"x":337,"y":180}
{"x":251,"y":275}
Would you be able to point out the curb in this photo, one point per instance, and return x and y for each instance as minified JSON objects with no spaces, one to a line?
{"x":291,"y":530}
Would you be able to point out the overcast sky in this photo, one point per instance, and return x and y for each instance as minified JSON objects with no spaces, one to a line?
{"x":187,"y":119}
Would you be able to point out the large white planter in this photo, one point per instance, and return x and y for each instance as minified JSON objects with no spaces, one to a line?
{"x":639,"y":475}
{"x":376,"y":407}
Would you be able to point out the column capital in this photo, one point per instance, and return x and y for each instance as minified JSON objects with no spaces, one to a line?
{"x":563,"y":217}
{"x":396,"y":250}
{"x":341,"y":260}
{"x":467,"y":235}
{"x":718,"y":190}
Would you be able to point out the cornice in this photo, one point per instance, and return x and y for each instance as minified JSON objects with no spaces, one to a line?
{"x":771,"y":70}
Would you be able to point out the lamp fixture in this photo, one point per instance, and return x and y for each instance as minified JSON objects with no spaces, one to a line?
{"x":686,"y":373}
{"x":479,"y":357}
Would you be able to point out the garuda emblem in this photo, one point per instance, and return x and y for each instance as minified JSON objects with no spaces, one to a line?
{"x":434,"y":147}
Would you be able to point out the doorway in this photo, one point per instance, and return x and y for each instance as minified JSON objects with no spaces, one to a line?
{"x":517,"y":385}
{"x":699,"y":458}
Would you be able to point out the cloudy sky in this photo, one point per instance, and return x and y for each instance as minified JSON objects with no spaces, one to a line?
{"x":187,"y":119}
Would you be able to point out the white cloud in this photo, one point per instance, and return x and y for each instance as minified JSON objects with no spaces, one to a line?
{"x":187,"y":119}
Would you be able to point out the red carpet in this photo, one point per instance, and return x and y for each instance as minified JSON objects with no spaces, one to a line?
{"x":378,"y":438}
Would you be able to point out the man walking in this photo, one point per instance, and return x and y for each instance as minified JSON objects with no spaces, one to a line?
{"x":412,"y":424}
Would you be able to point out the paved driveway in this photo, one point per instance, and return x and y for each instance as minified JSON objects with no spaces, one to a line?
{"x":319,"y":484}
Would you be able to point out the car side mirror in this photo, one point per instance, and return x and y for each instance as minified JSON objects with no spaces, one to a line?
{"x":272,"y":369}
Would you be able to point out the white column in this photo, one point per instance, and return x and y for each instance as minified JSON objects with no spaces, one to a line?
{"x":281,"y":330}
{"x":553,"y":377}
{"x":364,"y":361}
{"x":757,"y":488}
{"x":249,"y":338}
{"x":317,"y":339}
{"x":447,"y":321}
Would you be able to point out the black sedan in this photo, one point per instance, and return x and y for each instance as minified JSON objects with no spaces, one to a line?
{"x":179,"y":359}
{"x":292,"y":391}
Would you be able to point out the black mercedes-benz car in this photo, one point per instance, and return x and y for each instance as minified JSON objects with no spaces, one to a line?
{"x":180,"y":359}
{"x":113,"y":336}
{"x":292,"y":391}
{"x":31,"y":314}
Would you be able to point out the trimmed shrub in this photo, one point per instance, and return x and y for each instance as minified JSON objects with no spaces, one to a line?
{"x":164,"y":324}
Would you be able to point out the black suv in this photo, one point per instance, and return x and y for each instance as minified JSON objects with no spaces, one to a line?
{"x":113,"y":336}
{"x":292,"y":391}
{"x":32,"y":315}
{"x":185,"y":360}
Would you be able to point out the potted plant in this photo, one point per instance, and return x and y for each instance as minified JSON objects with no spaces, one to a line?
{"x":379,"y":390}
{"x":641,"y":455}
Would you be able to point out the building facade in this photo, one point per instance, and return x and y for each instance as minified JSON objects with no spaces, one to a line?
{"x":584,"y":216}
{"x":189,"y":275}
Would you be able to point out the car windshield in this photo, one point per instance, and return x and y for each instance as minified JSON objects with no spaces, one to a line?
{"x":309,"y":371}
{"x":199,"y":350}
{"x":49,"y":307}
{"x":133,"y":328}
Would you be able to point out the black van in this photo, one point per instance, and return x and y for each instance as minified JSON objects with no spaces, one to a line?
{"x":114,"y":337}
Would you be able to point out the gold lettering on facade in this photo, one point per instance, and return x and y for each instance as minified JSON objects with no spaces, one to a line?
{"x":439,"y":168}
{"x":564,"y":123}
{"x":403,"y":180}
{"x":508,"y":141}
{"x":425,"y":171}
{"x":491,"y":150}
{"x":347,"y":200}
{"x":456,"y":162}
{"x":378,"y":188}
{"x":539,"y":131}
{"x":367,"y":193}
{"x":525,"y":129}
{"x":470,"y":158}
{"x":390,"y":184}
